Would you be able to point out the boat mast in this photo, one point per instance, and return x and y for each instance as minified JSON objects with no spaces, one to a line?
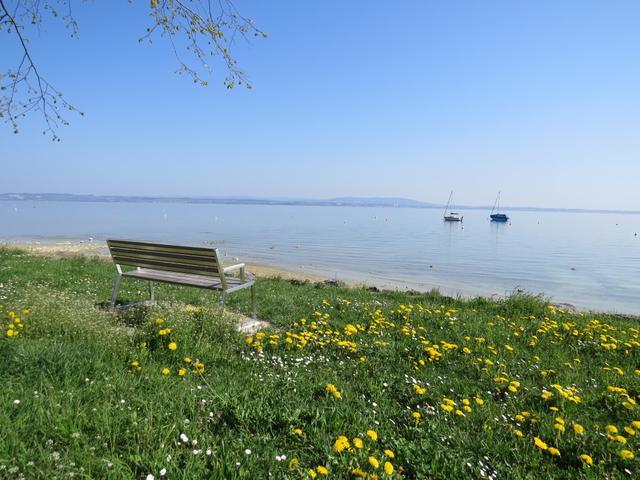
{"x":496,"y":203}
{"x":448,"y":202}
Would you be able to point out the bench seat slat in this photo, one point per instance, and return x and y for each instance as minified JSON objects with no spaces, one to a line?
{"x":170,"y":267}
{"x":182,"y":278}
{"x":133,"y":259}
{"x":178,"y":257}
{"x":158,"y":247}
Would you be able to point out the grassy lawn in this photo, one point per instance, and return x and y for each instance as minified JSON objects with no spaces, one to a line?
{"x":349,"y":383}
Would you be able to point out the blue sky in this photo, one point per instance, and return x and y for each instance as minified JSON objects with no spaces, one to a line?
{"x":358,"y":98}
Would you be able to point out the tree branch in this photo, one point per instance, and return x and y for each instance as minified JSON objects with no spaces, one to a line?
{"x":42,"y":97}
{"x":202,"y":28}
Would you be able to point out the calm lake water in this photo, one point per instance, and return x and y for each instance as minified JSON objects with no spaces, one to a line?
{"x":587,"y":259}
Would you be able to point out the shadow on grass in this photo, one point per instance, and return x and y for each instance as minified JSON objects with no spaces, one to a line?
{"x":128,"y":314}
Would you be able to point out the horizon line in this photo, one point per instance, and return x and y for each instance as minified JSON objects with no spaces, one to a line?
{"x":344,"y":201}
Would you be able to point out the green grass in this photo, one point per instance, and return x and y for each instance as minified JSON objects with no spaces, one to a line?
{"x":85,"y":411}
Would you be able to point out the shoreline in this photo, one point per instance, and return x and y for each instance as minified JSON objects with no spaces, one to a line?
{"x":98,"y":248}
{"x":90,"y":248}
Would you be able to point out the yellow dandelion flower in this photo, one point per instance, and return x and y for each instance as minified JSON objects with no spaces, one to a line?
{"x":322,"y":470}
{"x":539,"y":443}
{"x":374,"y":462}
{"x":159,"y":321}
{"x":612,"y":429}
{"x":518,"y":433}
{"x":620,"y":439}
{"x":373,"y":435}
{"x":586,"y":459}
{"x":626,"y":454}
{"x":187,"y":359}
{"x":331,"y":388}
{"x":554,"y":451}
{"x":341,"y":444}
{"x":166,"y":371}
{"x":577,"y":428}
{"x":182,"y":372}
{"x":312,"y":473}
{"x":389,"y":453}
{"x":630,"y":431}
{"x":172,"y":346}
{"x":388,"y":468}
{"x":358,"y":443}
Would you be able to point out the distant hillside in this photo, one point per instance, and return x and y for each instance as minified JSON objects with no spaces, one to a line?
{"x":343,"y":201}
{"x":382,"y":201}
{"x":331,"y":202}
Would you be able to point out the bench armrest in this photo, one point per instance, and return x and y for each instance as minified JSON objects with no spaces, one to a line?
{"x":231,"y":268}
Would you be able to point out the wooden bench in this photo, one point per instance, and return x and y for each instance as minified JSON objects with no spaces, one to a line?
{"x":192,"y":266}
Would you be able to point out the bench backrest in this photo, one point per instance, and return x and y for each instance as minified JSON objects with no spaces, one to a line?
{"x":172,"y":258}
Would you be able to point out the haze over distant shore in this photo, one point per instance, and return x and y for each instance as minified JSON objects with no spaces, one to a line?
{"x":398,"y":202}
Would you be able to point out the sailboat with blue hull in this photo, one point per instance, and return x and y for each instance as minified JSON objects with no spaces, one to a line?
{"x":497,"y":216}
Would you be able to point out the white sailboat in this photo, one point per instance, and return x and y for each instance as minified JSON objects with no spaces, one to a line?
{"x":451,"y":216}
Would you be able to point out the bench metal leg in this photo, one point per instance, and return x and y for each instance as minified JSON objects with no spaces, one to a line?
{"x":253,"y":301}
{"x":222,"y":295}
{"x":152,"y":292}
{"x":116,"y":286}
